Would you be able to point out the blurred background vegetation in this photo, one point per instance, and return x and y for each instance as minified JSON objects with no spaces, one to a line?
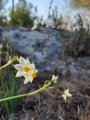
{"x":21,"y":14}
{"x":25,"y":14}
{"x":81,"y":3}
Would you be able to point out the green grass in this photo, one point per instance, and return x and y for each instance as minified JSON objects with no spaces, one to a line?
{"x":9,"y":87}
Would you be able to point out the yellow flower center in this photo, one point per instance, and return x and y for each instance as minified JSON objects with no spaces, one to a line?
{"x":34,"y":74}
{"x":26,"y":68}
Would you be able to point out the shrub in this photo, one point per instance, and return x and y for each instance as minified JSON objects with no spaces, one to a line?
{"x":3,"y":21}
{"x":23,"y":15}
{"x":81,"y":39}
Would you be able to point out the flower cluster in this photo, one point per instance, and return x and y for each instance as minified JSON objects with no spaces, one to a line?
{"x":26,"y":69}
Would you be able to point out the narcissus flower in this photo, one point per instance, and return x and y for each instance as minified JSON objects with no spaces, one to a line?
{"x":54,"y":78}
{"x":30,"y":76}
{"x":66,"y":94}
{"x":24,"y":67}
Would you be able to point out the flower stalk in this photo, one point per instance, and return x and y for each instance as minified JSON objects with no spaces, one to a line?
{"x":28,"y":70}
{"x":9,"y":62}
{"x":28,"y":94}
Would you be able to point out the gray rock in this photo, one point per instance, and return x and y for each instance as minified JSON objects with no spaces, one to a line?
{"x":85,"y":61}
{"x":62,"y":69}
{"x":43,"y":48}
{"x":76,"y":70}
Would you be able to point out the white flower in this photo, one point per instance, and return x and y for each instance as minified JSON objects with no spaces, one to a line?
{"x":30,"y":76}
{"x":33,"y":68}
{"x":54,"y":78}
{"x":66,"y":94}
{"x":24,"y":67}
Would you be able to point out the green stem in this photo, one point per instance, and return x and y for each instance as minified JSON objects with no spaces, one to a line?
{"x":9,"y":62}
{"x":4,"y":66}
{"x":57,"y":90}
{"x":28,"y":94}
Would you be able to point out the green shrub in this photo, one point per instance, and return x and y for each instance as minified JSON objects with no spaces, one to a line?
{"x":3,"y":20}
{"x":81,"y":39}
{"x":23,"y":15}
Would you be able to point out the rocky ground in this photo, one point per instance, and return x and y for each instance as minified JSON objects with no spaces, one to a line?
{"x":47,"y":50}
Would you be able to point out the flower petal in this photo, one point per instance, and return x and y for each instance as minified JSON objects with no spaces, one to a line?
{"x":18,"y":67}
{"x":32,"y":66}
{"x":21,"y":60}
{"x":19,"y":74}
{"x":31,"y":79}
{"x":27,"y":79}
{"x":54,"y":78}
{"x":27,"y":62}
{"x":67,"y":91}
{"x":36,"y":70}
{"x":64,"y":97}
